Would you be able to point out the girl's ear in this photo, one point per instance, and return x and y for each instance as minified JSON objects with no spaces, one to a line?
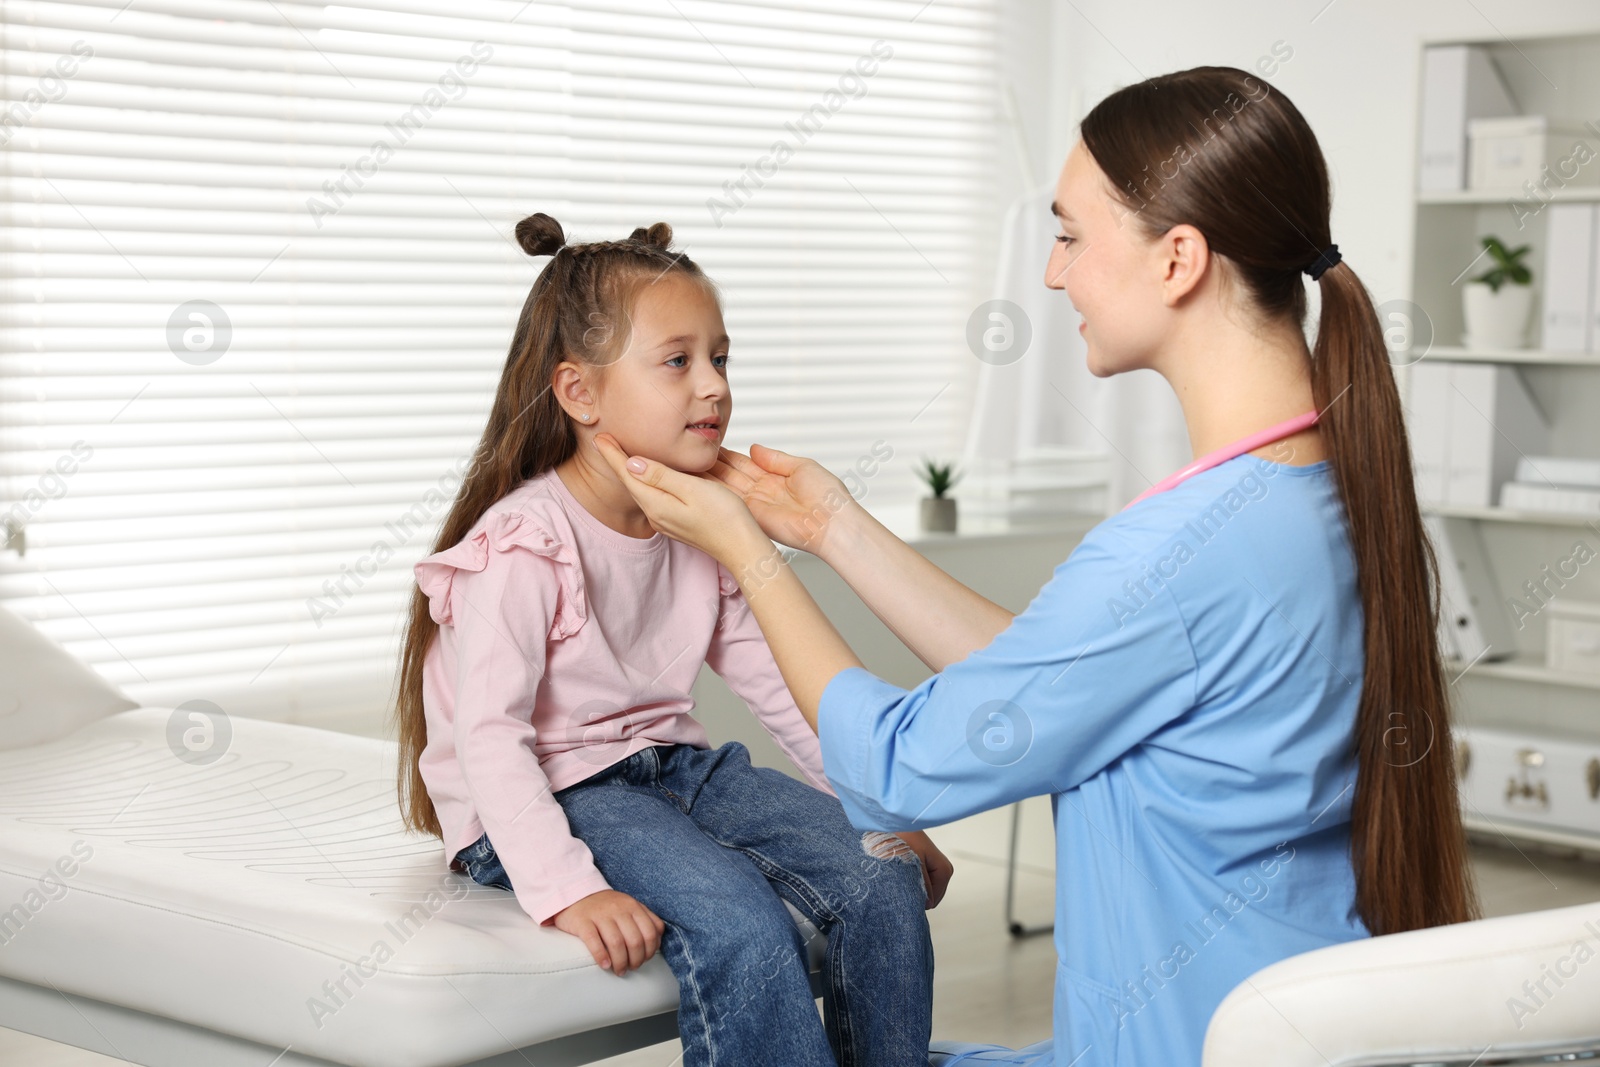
{"x":571,"y":387}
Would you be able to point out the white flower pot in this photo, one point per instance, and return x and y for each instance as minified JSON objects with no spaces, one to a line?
{"x":1496,"y":319}
{"x":939,"y":514}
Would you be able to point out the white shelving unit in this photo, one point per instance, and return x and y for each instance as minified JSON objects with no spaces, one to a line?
{"x":1522,"y":669}
{"x":1525,"y":356}
{"x":1559,"y":77}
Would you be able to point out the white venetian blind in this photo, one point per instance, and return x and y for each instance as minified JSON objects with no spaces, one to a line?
{"x":259,"y":281}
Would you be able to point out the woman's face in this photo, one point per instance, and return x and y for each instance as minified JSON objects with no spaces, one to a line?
{"x":672,"y":375}
{"x":1109,"y":271}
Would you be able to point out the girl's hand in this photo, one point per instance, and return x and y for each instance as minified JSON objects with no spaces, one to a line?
{"x":793,"y":498}
{"x":619,"y":932}
{"x":691,"y":508}
{"x":936,"y":866}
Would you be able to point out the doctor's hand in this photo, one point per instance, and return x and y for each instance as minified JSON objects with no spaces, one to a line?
{"x":693,"y":508}
{"x":793,"y":498}
{"x":619,"y":932}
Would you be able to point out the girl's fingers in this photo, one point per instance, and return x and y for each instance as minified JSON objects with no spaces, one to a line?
{"x":616,"y":945}
{"x":648,"y":931}
{"x":941,"y":873}
{"x":596,"y":945}
{"x":626,"y":936}
{"x":637,"y":945}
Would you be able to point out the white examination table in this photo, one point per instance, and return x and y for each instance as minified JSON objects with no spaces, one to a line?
{"x":207,"y":905}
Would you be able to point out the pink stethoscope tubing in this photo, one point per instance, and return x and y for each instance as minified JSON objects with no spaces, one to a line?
{"x":1238,"y":448}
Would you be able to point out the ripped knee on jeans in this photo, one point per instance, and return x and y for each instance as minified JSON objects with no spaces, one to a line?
{"x":880,"y":844}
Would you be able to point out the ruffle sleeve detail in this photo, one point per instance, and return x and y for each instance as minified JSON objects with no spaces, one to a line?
{"x":538,"y":526}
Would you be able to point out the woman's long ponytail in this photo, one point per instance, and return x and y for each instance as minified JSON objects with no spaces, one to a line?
{"x":1406,"y":843}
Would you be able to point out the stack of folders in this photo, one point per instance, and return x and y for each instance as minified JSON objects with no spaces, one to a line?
{"x":1459,"y":83}
{"x":1554,"y":483}
{"x":1571,"y":313}
{"x":1469,"y":424}
{"x":1040,"y":486}
{"x":1473,"y":624}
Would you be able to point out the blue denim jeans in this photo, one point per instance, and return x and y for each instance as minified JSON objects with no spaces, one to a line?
{"x":714,"y":846}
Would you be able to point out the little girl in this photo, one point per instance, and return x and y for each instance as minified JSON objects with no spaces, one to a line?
{"x":544,"y":706}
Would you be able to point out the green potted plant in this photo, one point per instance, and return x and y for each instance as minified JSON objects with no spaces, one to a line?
{"x":938,"y":510}
{"x":1496,"y":303}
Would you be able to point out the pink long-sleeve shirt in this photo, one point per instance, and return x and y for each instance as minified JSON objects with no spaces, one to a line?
{"x":565,"y":646}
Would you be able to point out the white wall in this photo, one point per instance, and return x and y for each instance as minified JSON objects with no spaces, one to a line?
{"x":1353,"y":74}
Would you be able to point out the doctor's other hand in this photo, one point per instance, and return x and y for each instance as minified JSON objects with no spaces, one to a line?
{"x":619,"y":932}
{"x":793,"y":498}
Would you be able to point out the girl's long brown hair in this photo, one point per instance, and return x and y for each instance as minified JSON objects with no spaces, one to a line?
{"x":578,"y":309}
{"x":1217,"y":148}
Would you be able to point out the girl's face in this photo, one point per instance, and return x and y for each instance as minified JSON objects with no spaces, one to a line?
{"x":1113,"y":276}
{"x":666,"y":397}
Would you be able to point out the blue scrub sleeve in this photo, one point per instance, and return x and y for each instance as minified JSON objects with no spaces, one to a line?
{"x":1099,"y":661}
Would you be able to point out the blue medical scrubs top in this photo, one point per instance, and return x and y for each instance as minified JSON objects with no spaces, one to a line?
{"x":1185,"y":688}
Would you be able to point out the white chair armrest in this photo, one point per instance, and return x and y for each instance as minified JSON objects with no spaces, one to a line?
{"x":1512,"y":984}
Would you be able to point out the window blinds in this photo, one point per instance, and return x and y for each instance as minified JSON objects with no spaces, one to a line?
{"x":259,"y":280}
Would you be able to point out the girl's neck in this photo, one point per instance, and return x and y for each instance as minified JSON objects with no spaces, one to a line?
{"x":591,"y":482}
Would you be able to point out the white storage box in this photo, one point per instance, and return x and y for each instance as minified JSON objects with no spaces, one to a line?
{"x":1559,"y":470}
{"x":1536,"y":496}
{"x":1506,"y":152}
{"x":1550,"y":782}
{"x":1573,"y":641}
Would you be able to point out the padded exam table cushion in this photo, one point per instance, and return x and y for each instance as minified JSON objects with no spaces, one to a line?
{"x":235,"y":895}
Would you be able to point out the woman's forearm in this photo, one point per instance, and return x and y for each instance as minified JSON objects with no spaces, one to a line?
{"x":804,"y":643}
{"x":935,"y":616}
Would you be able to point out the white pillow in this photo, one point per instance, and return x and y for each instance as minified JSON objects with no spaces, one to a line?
{"x":44,"y":692}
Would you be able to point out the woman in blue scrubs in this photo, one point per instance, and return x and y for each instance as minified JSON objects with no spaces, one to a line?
{"x":1231,"y":690}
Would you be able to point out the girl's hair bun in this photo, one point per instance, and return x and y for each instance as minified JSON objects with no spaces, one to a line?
{"x":540,"y":235}
{"x":658,"y":234}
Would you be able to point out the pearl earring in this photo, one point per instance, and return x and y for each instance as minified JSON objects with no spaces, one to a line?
{"x":584,"y":417}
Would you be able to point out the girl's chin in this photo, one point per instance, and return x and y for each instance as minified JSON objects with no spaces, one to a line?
{"x":702,"y":466}
{"x":693,"y":460}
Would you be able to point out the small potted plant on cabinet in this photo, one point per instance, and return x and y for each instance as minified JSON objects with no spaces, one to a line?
{"x":938,"y":510}
{"x":1496,"y":303}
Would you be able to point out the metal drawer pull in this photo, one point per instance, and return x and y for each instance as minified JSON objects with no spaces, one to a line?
{"x":1529,"y":758}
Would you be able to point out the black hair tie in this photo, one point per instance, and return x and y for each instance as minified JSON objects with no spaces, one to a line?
{"x":1325,"y":259}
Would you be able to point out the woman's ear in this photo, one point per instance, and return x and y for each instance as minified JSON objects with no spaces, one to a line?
{"x":1182,"y":258}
